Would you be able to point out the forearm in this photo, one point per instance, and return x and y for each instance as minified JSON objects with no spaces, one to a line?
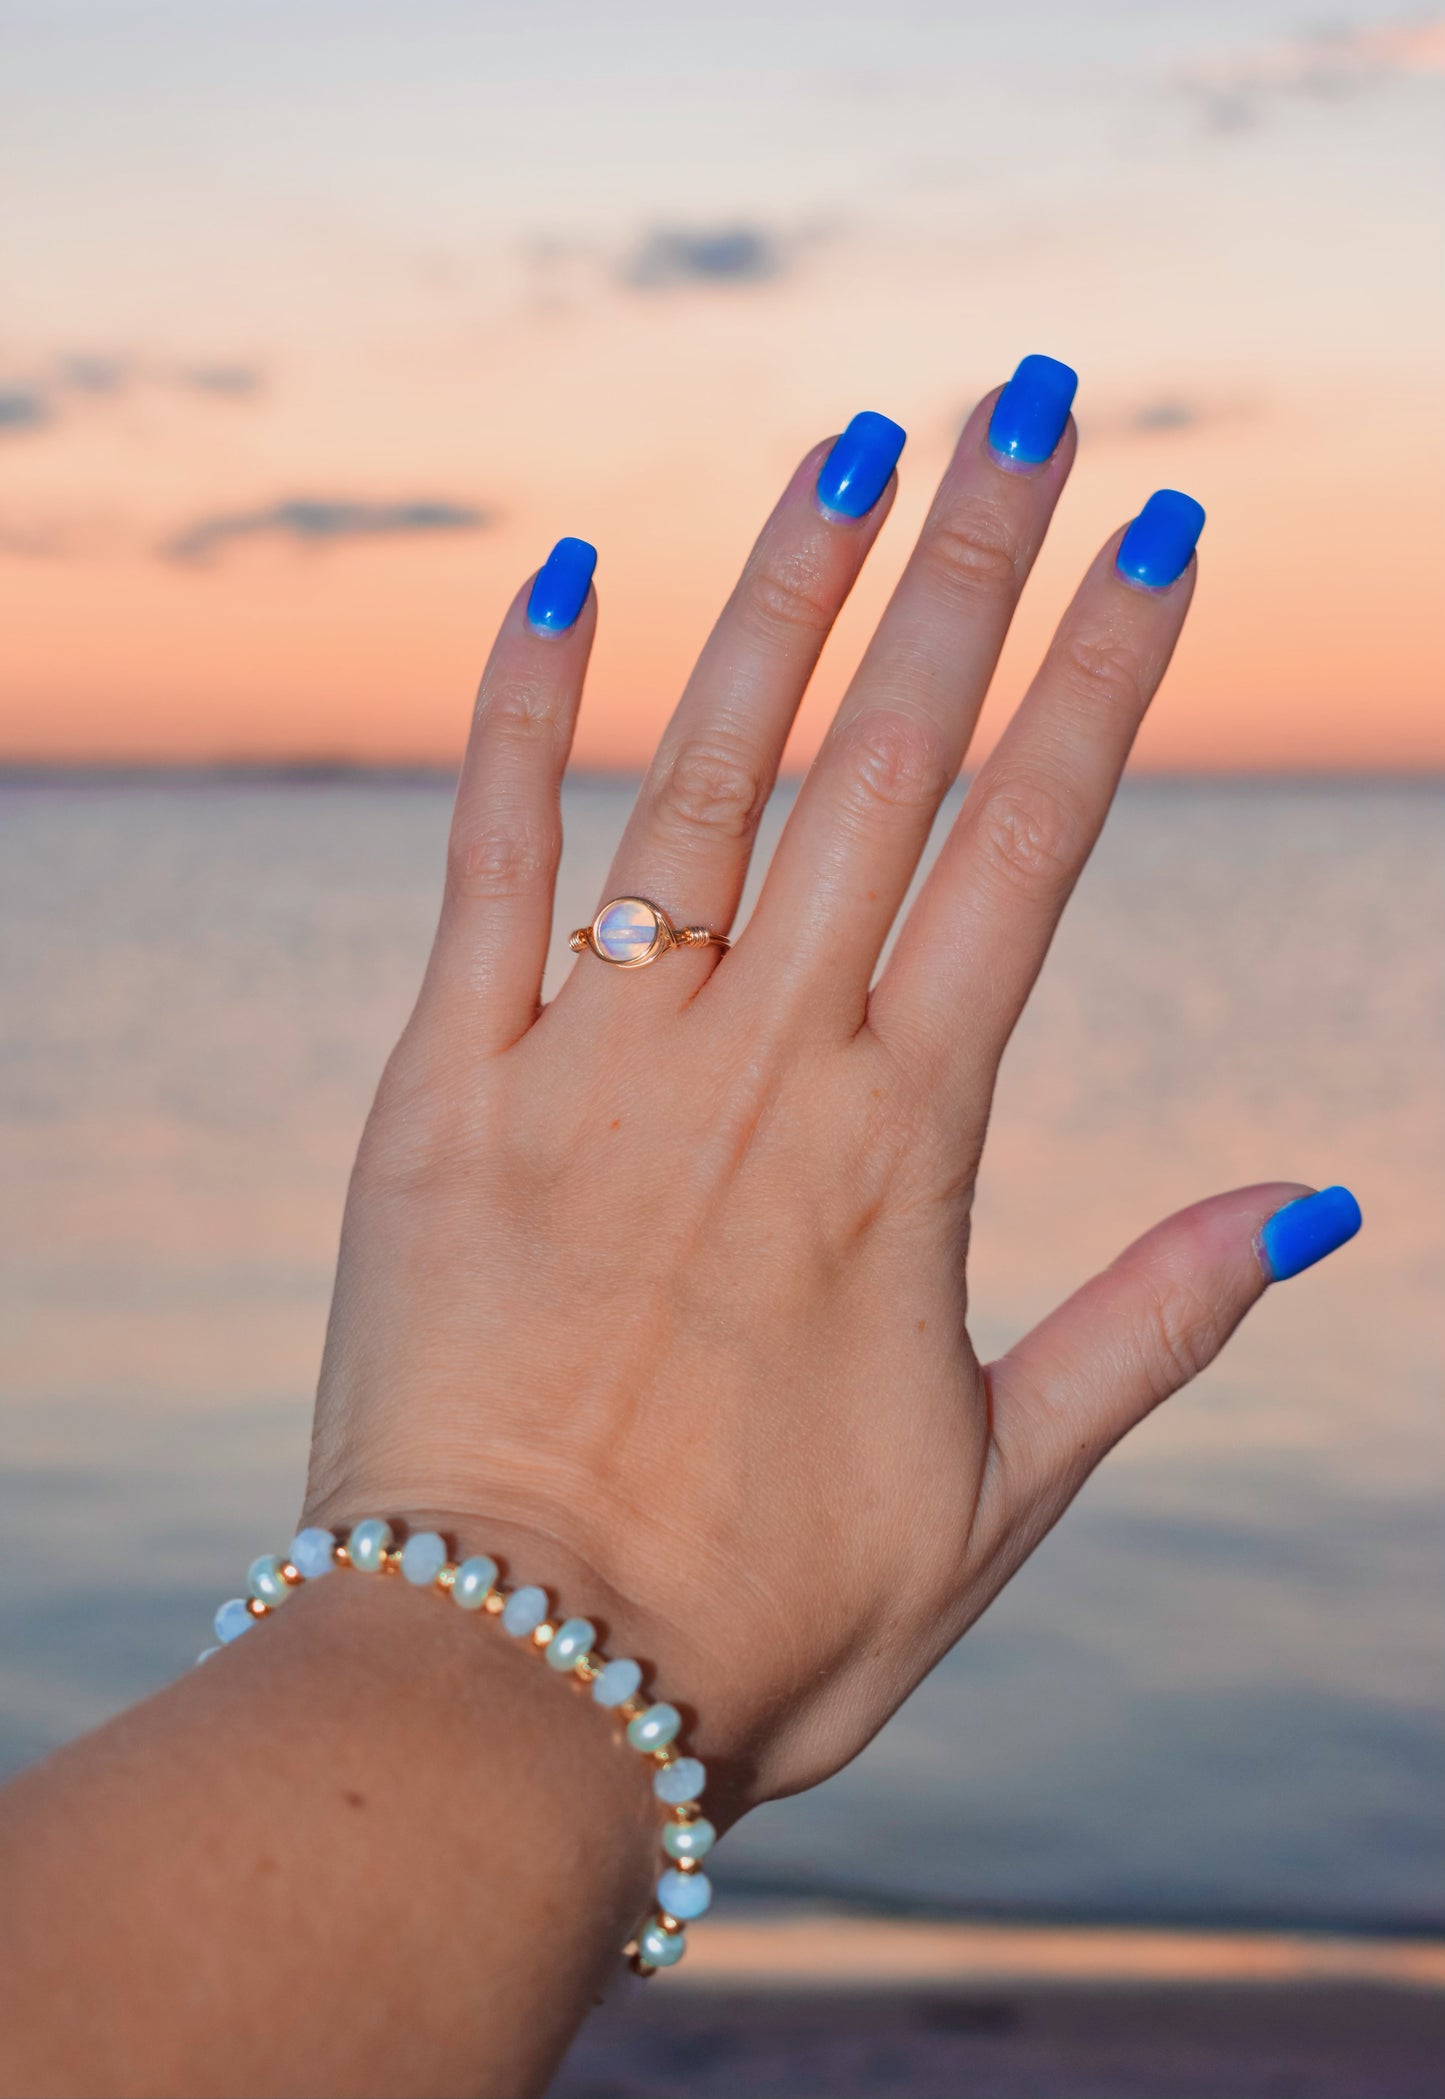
{"x":369,"y":1805}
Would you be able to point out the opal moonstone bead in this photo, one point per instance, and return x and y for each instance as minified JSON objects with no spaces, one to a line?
{"x":683,"y":1779}
{"x":311,"y":1552}
{"x":684,"y":1895}
{"x":368,"y":1542}
{"x":659,"y":1948}
{"x":617,"y":1681}
{"x":626,"y":930}
{"x":571,"y":1641}
{"x":263,"y":1580}
{"x":655,"y":1728}
{"x":474,"y":1578}
{"x":524,"y":1611}
{"x":423,"y":1557}
{"x":688,"y":1839}
{"x":205,"y":1655}
{"x":232,"y":1620}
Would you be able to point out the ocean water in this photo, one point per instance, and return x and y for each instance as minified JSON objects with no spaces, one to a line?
{"x":1215,"y":1694}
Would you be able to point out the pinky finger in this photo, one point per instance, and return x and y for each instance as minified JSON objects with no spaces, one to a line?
{"x":485,"y":972}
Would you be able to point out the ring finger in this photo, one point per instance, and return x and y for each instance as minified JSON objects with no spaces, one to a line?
{"x":689,"y":838}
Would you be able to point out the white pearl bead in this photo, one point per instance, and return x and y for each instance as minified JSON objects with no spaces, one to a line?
{"x":617,"y":1681}
{"x":661,"y":1949}
{"x":263,"y":1580}
{"x":681,"y":1780}
{"x":423,"y":1557}
{"x":368,"y":1542}
{"x":311,"y":1552}
{"x":474,"y":1578}
{"x":524,"y":1611}
{"x":655,"y":1728}
{"x":572,"y":1640}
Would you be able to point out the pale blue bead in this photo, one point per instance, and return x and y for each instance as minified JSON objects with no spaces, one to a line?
{"x":474,"y":1578}
{"x":661,"y":1949}
{"x":232,"y":1620}
{"x":571,"y":1641}
{"x":681,"y":1780}
{"x":423,"y":1557}
{"x":367,"y":1543}
{"x":689,"y":1839}
{"x":205,"y":1655}
{"x":311,"y":1552}
{"x":263,"y":1580}
{"x":684,"y":1895}
{"x":617,"y":1681}
{"x":655,"y":1728}
{"x":524,"y":1611}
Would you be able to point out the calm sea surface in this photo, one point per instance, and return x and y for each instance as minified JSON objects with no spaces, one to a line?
{"x":1215,"y":1694}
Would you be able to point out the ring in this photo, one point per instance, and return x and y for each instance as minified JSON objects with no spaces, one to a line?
{"x":632,"y":930}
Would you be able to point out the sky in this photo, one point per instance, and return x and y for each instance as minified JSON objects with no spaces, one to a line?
{"x":320,"y":321}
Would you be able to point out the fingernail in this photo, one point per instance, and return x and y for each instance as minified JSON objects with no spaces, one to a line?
{"x":855,"y":473}
{"x":1156,"y":548}
{"x":560,"y":590}
{"x":1307,"y":1229}
{"x":1032,"y":412}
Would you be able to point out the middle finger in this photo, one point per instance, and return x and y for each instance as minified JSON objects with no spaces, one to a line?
{"x":852,"y":843}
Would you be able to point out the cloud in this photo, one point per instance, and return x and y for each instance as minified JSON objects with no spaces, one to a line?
{"x":1233,"y":92}
{"x":23,"y":408}
{"x":311,"y":521}
{"x":668,"y":256}
{"x":232,"y":382}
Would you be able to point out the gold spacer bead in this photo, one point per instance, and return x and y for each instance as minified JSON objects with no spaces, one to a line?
{"x":630,"y":1709}
{"x":586,"y":1670}
{"x":390,"y":1562}
{"x":686,"y":1811}
{"x":255,"y":1606}
{"x":341,"y":1556}
{"x":641,"y":1967}
{"x":446,"y":1577}
{"x":686,"y":1865}
{"x":668,"y":1923}
{"x":665,"y":1755}
{"x":544,"y":1635}
{"x":493,"y":1603}
{"x":292,"y":1576}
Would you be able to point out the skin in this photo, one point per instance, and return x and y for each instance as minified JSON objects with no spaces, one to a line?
{"x":658,"y":1294}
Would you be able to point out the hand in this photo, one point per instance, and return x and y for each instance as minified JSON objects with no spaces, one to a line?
{"x":660,"y":1292}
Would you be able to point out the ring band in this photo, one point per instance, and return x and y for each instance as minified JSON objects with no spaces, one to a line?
{"x":630,"y":931}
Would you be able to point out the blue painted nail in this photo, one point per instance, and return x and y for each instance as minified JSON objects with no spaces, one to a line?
{"x":1156,"y":548}
{"x":1032,"y":412}
{"x":560,"y":590}
{"x":1307,"y":1229}
{"x":855,"y":473}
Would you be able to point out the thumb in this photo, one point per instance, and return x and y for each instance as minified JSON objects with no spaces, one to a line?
{"x":1149,"y":1323}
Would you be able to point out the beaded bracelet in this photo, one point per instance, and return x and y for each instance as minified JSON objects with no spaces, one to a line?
{"x":683,"y":1890}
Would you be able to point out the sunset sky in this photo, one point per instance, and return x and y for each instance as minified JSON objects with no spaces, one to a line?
{"x":319,"y":321}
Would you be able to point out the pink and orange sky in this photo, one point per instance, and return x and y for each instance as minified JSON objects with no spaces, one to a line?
{"x":320,"y":321}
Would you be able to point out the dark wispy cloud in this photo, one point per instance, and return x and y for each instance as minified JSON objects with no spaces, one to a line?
{"x":315,"y":521}
{"x":23,"y":408}
{"x":1166,"y":415}
{"x":94,"y":376}
{"x":1234,"y":91}
{"x":668,"y":256}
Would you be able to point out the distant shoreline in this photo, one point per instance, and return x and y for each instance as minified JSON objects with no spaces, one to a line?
{"x":344,"y":772}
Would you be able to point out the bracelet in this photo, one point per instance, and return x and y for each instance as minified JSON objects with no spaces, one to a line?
{"x":683,"y":1890}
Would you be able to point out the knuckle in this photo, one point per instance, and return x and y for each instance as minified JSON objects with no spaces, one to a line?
{"x":1101,"y":670}
{"x":1184,"y":1334}
{"x":710,"y":788}
{"x":1028,"y":837}
{"x":895,"y":760}
{"x":517,"y":710}
{"x":971,"y":553}
{"x":507,"y":857}
{"x":786,"y":598}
